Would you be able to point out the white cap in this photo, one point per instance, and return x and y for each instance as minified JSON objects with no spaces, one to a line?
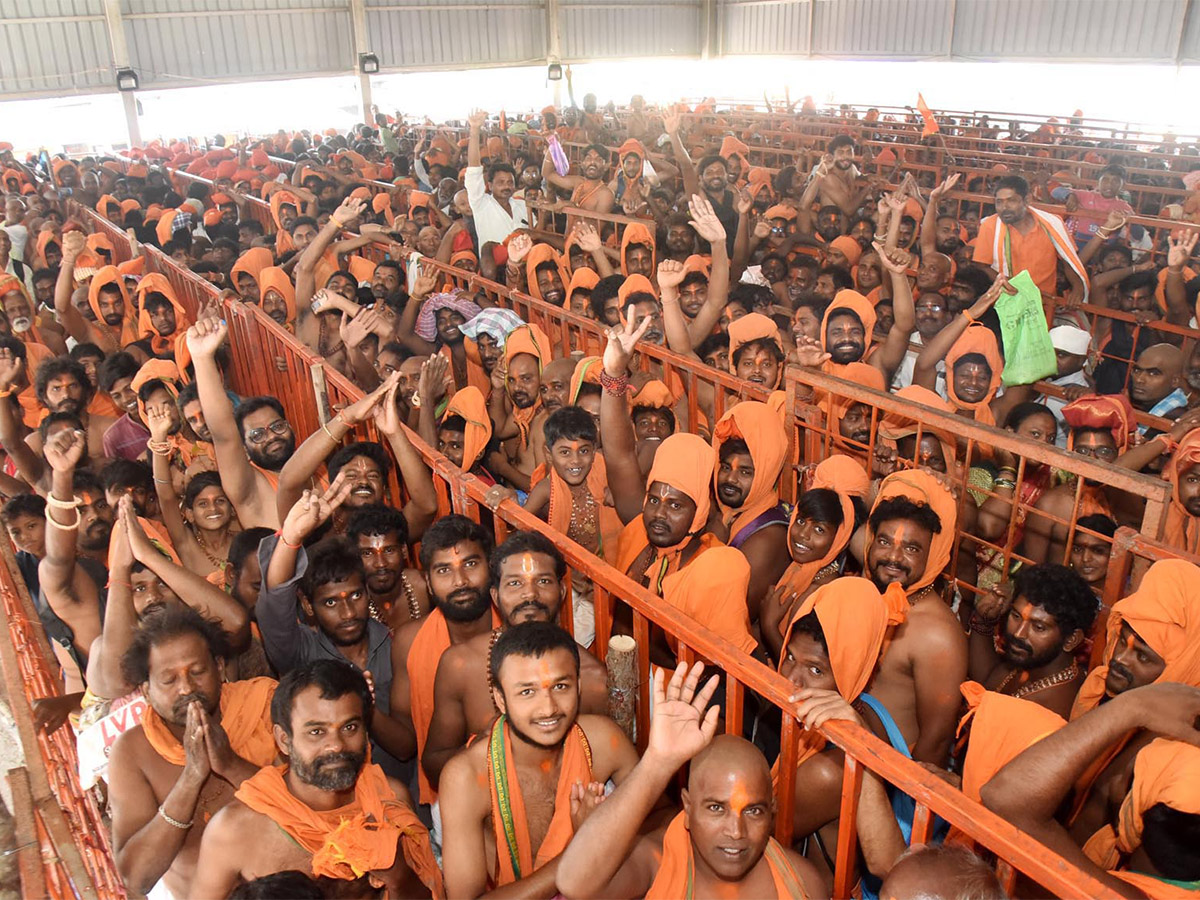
{"x":1070,"y":339}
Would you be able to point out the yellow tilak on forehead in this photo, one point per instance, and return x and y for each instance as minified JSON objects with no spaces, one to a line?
{"x":527,"y":566}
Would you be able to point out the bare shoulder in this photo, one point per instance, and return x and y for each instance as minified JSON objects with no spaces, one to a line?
{"x":400,"y":790}
{"x":814,"y":884}
{"x":465,"y":657}
{"x":464,"y":779}
{"x":611,"y":748}
{"x":402,"y":639}
{"x":129,"y":749}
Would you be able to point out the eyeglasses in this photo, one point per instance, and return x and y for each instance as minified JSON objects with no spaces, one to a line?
{"x":279,"y":427}
{"x":1104,"y":454}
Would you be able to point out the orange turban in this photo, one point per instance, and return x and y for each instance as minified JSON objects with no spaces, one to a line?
{"x":156,"y":283}
{"x":583,"y":279}
{"x":842,"y":474}
{"x":1165,"y":613}
{"x":251,"y":263}
{"x":529,"y":339}
{"x":924,"y":490}
{"x":279,"y":199}
{"x":539,"y":254}
{"x":759,"y":426}
{"x":752,"y":327}
{"x":163,"y":370}
{"x":981,"y":340}
{"x":469,"y":403}
{"x":847,"y":300}
{"x":634,"y":284}
{"x":1111,"y":412}
{"x":759,"y":180}
{"x":106,"y":277}
{"x":851,"y":249}
{"x":105,"y":202}
{"x":731,"y":146}
{"x":897,"y":425}
{"x":697,"y":263}
{"x":275,"y":279}
{"x":128,"y":206}
{"x":382,"y":203}
{"x":685,"y":462}
{"x":634,"y":146}
{"x":654,"y":394}
{"x":587,"y":371}
{"x":636,"y":234}
{"x":1182,"y":529}
{"x":361,"y":193}
{"x":1166,"y":772}
{"x":1002,"y":728}
{"x":166,"y":226}
{"x":779,"y":211}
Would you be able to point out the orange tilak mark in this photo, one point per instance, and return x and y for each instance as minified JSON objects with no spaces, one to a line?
{"x":739,"y":798}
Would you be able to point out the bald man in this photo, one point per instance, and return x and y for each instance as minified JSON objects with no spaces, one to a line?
{"x":1156,"y":382}
{"x":934,"y":272}
{"x":941,"y":873}
{"x":556,"y":383}
{"x":719,"y":846}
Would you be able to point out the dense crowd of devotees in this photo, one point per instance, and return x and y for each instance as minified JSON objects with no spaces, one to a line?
{"x":280,"y":695}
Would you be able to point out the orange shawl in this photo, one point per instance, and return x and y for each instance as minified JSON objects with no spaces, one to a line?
{"x":562,"y":503}
{"x":476,"y":377}
{"x":636,"y":233}
{"x":127,"y":331}
{"x":712,"y":590}
{"x":470,"y":404}
{"x":575,"y":766}
{"x":1182,"y":529}
{"x":684,"y":462}
{"x":348,"y":842}
{"x":1165,"y":771}
{"x":245,"y":716}
{"x":544,"y":253}
{"x":675,"y":870}
{"x":1165,"y":613}
{"x":161,"y":344}
{"x":532,"y":340}
{"x":923,"y":489}
{"x":759,"y":426}
{"x":976,"y":339}
{"x":273,"y":278}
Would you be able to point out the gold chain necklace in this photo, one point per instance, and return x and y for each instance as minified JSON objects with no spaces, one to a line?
{"x":1062,"y":676}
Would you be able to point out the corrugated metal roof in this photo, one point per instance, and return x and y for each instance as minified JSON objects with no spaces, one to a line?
{"x":599,"y":30}
{"x":435,"y":33}
{"x":891,"y":29}
{"x":763,"y":26}
{"x":53,"y":45}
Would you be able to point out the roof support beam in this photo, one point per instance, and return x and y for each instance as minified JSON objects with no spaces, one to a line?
{"x":120,"y":56}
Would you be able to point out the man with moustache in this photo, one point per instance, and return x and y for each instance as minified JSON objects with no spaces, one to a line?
{"x":328,"y":811}
{"x":1043,"y":624}
{"x":252,"y":445}
{"x":526,"y":586}
{"x":396,"y":593}
{"x":61,"y":385}
{"x":545,"y":762}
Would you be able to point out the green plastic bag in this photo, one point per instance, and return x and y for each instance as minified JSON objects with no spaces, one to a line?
{"x":1028,"y":353}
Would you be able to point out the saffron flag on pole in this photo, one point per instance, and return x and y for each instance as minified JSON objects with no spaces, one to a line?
{"x":931,"y":125}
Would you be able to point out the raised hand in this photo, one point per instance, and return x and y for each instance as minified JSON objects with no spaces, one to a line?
{"x":586,"y":237}
{"x":362,"y":408}
{"x":64,"y":450}
{"x":313,"y":509}
{"x":810,"y":354}
{"x":353,"y":331}
{"x":425,"y":283}
{"x":431,"y":384}
{"x":1179,"y":248}
{"x":683,"y":723}
{"x":670,"y":273}
{"x":1115,"y":221}
{"x":477,"y":118}
{"x":387,"y":413}
{"x":995,"y":604}
{"x":621,"y":341}
{"x":743,"y":202}
{"x":140,"y":544}
{"x":519,"y":247}
{"x":120,"y":554}
{"x":158,"y":420}
{"x":351,"y":209}
{"x":216,"y":742}
{"x":73,"y":243}
{"x":705,"y":220}
{"x":671,"y":121}
{"x":762,"y":229}
{"x":945,"y":187}
{"x":896,"y":260}
{"x":206,"y":336}
{"x":11,"y":368}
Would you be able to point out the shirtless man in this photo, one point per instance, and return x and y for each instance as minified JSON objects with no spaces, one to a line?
{"x":515,"y":406}
{"x":61,"y":385}
{"x":454,"y":558}
{"x":170,"y":775}
{"x":588,"y":189}
{"x":319,"y":717}
{"x":722,"y":839}
{"x":251,"y":447}
{"x":837,"y":176}
{"x":527,"y":586}
{"x":560,"y":759}
{"x":909,"y":534}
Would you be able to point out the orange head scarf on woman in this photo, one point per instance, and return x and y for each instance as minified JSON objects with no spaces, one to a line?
{"x":110,"y":277}
{"x":924,"y":490}
{"x":1101,"y":412}
{"x":532,"y":340}
{"x":847,"y":300}
{"x":469,"y":404}
{"x":540,"y":254}
{"x":273,"y":278}
{"x":1166,"y":772}
{"x":976,"y":340}
{"x":637,"y":234}
{"x":1165,"y":613}
{"x":1183,"y":528}
{"x":759,"y":427}
{"x":154,"y":283}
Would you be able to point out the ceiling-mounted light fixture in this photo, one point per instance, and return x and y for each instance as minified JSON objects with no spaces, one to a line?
{"x":368,"y":63}
{"x":554,"y":70}
{"x":127,"y":80}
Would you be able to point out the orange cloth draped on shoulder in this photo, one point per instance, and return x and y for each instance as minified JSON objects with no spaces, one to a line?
{"x":587,"y":371}
{"x":1101,"y":412}
{"x":517,"y":860}
{"x":10,"y":284}
{"x":637,"y":233}
{"x":245,"y":716}
{"x":857,"y":620}
{"x":354,"y":839}
{"x":361,"y":268}
{"x":1002,"y":727}
{"x":759,"y":427}
{"x":110,"y":277}
{"x":684,"y":462}
{"x":1166,"y":772}
{"x":712,"y":589}
{"x":673,"y":878}
{"x":1165,"y":613}
{"x":162,"y":344}
{"x":539,"y":254}
{"x":532,"y":340}
{"x":273,"y":278}
{"x":582,"y":279}
{"x":847,"y":300}
{"x":32,"y":411}
{"x":469,"y":403}
{"x":896,"y":425}
{"x":431,"y":641}
{"x":561,"y":504}
{"x":251,"y":263}
{"x":1182,"y":529}
{"x":753,"y":327}
{"x":924,"y":490}
{"x":979,"y":340}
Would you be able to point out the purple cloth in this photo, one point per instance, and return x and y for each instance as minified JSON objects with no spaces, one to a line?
{"x":125,"y":439}
{"x":426,"y":326}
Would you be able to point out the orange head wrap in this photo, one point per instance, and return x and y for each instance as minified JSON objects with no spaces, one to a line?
{"x":583,"y":279}
{"x":897,"y":425}
{"x":851,"y":249}
{"x":634,"y":284}
{"x":1100,"y":412}
{"x":731,"y":146}
{"x":1182,"y":529}
{"x":280,"y":199}
{"x":110,"y":277}
{"x":753,"y":327}
{"x":636,"y":234}
{"x":105,"y":202}
{"x":529,"y":339}
{"x":156,"y":283}
{"x":1002,"y":727}
{"x":924,"y":490}
{"x":685,"y":462}
{"x":634,"y":146}
{"x":836,"y":406}
{"x":470,"y":404}
{"x":759,"y":426}
{"x":250,"y":263}
{"x":981,"y":340}
{"x":538,"y":255}
{"x":847,"y":300}
{"x":587,"y":371}
{"x":654,"y":394}
{"x":275,"y":279}
{"x":163,"y":370}
{"x":779,"y":211}
{"x":697,"y":263}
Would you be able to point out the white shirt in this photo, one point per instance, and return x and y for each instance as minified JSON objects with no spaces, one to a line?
{"x":18,"y":234}
{"x":492,"y":223}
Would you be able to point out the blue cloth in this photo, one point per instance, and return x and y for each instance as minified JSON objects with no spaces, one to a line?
{"x":1177,"y":399}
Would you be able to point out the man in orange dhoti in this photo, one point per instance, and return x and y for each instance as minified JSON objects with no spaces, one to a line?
{"x":328,"y":811}
{"x":729,"y":791}
{"x":540,"y":747}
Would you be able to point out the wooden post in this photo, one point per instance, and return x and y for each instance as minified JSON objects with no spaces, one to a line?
{"x":623,"y":682}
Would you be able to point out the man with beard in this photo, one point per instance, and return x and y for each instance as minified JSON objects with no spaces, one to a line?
{"x":1020,"y":236}
{"x":527,"y":585}
{"x":555,"y":385}
{"x":515,"y":404}
{"x":710,"y":175}
{"x":1044,"y":622}
{"x":589,"y":190}
{"x":199,"y":740}
{"x":79,"y":522}
{"x":252,"y":446}
{"x":61,"y":385}
{"x":387,"y":280}
{"x":939,"y":233}
{"x":328,"y":811}
{"x":676,"y":238}
{"x":908,"y":540}
{"x":545,"y":762}
{"x":837,"y":177}
{"x":397,"y":593}
{"x":496,"y":211}
{"x":331,"y":586}
{"x":116,"y":322}
{"x":27,"y":324}
{"x":454,"y":558}
{"x":932,"y":314}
